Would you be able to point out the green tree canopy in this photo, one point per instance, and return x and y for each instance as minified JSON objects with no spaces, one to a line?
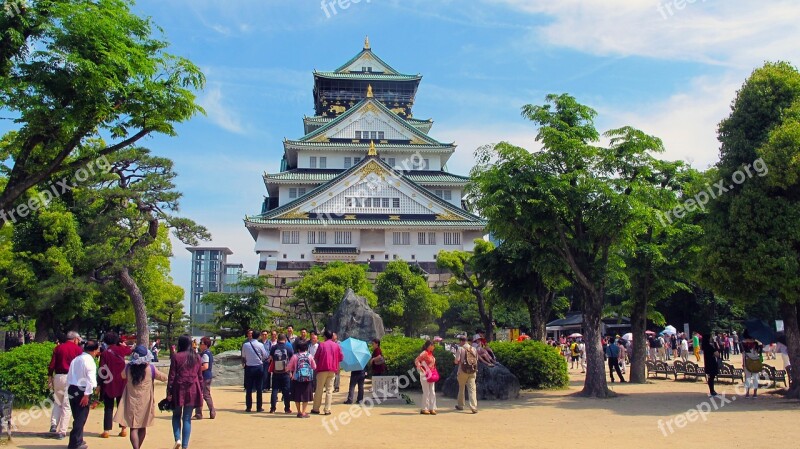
{"x":469,"y":280}
{"x":405,"y":299}
{"x":245,"y":308}
{"x":323,"y":287}
{"x":78,"y":71}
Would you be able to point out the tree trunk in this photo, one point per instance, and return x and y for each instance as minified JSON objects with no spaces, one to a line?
{"x":43,"y":325}
{"x":789,"y":314}
{"x":485,"y":315}
{"x":638,"y":328}
{"x":595,"y":385}
{"x":139,"y":308}
{"x":539,"y":308}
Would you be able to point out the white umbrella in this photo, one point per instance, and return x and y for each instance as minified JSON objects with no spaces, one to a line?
{"x":575,"y":335}
{"x":670,"y":330}
{"x":628,"y":337}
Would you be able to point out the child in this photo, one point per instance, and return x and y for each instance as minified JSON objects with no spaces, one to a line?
{"x":301,"y":370}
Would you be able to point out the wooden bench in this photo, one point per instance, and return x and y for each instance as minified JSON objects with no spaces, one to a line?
{"x":775,"y":375}
{"x":694,"y":370}
{"x":678,"y":367}
{"x":663,"y":368}
{"x":728,"y":371}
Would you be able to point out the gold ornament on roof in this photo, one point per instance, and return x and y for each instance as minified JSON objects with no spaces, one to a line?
{"x":369,"y":91}
{"x":372,"y":151}
{"x":448,"y":216}
{"x":371,"y":168}
{"x":366,"y":43}
{"x":295,"y":214}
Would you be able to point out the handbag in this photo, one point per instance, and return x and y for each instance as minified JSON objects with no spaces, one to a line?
{"x":432,"y":375}
{"x":378,"y":360}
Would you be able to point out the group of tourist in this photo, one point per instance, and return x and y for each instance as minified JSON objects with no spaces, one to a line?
{"x":466,"y":358}
{"x":125,"y":380}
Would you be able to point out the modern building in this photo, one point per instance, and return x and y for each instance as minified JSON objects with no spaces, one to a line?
{"x":211,"y":273}
{"x":366,"y":182}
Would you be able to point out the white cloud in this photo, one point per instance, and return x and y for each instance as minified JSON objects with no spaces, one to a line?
{"x":219,"y":112}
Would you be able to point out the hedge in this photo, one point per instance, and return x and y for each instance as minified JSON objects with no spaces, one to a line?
{"x":535,"y":364}
{"x":228,"y":344}
{"x":23,"y":371}
{"x":400,"y":353}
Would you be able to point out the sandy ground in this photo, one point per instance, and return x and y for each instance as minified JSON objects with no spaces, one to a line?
{"x":649,"y":415}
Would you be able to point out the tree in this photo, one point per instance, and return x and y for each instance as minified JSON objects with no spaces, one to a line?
{"x":322,"y":288}
{"x":467,"y":278}
{"x":573,"y":198}
{"x":245,"y":308}
{"x":521,"y":272}
{"x":124,"y":211}
{"x":751,"y":246}
{"x":78,"y":71}
{"x":405,"y":299}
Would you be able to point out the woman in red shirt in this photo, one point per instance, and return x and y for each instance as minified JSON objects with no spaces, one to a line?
{"x":426,"y":364}
{"x":110,"y":380}
{"x":377,"y":362}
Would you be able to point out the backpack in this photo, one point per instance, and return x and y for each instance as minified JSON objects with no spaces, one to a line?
{"x":577,"y":348}
{"x":469,"y":363}
{"x":280,"y":361}
{"x":753,"y":365}
{"x":303,"y":372}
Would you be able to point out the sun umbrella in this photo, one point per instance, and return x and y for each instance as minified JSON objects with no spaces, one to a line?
{"x":575,"y":335}
{"x":437,"y":339}
{"x":628,"y":336}
{"x":649,"y":332}
{"x":760,"y":331}
{"x":356,"y":354}
{"x":670,"y":330}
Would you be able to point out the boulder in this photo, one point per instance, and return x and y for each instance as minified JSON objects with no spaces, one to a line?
{"x":354,"y":318}
{"x":228,"y":369}
{"x":493,"y":382}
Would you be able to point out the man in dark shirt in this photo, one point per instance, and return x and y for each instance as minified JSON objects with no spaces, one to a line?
{"x":63,"y":355}
{"x":279,"y":356}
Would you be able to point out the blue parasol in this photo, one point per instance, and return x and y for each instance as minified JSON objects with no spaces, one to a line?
{"x":356,"y":354}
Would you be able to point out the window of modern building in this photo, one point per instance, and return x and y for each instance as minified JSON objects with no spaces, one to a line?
{"x":312,"y":162}
{"x":452,"y":238}
{"x":290,"y":237}
{"x":348,"y":161}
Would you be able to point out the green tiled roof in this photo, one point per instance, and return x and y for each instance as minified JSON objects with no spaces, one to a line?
{"x":478,"y":224}
{"x":368,"y":76}
{"x":349,"y":146}
{"x":373,"y":55}
{"x":422,"y":136}
{"x":420,"y":177}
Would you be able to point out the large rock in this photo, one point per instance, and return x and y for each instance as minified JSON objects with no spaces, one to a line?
{"x":228,"y":369}
{"x":354,"y":318}
{"x":493,"y":382}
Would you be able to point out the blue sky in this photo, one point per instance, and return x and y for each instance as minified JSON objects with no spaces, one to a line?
{"x":647,"y":63}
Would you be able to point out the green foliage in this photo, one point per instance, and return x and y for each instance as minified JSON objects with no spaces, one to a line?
{"x":405,"y":299}
{"x":400,"y":353}
{"x":468,"y":280}
{"x":323,"y":287}
{"x":228,"y":344}
{"x":23,"y":371}
{"x":79,"y":71}
{"x":245,"y":309}
{"x":535,"y":364}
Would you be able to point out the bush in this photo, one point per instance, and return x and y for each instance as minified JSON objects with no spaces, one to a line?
{"x":400,"y":353}
{"x":23,"y":371}
{"x":535,"y":364}
{"x":228,"y":344}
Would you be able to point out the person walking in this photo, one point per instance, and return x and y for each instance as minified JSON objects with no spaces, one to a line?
{"x":696,"y":345}
{"x":582,"y":355}
{"x":328,"y":356}
{"x":753,"y":363}
{"x":81,"y":381}
{"x":63,"y":355}
{"x":337,"y":377}
{"x":711,"y":357}
{"x":136,"y":409}
{"x":112,"y":384}
{"x":467,"y":362}
{"x":207,"y":368}
{"x":301,"y":370}
{"x":612,"y":353}
{"x":377,"y":362}
{"x":155,"y":349}
{"x":279,"y":357}
{"x":735,"y":337}
{"x":253,"y":358}
{"x":685,"y":349}
{"x":428,"y":376}
{"x":184,"y":390}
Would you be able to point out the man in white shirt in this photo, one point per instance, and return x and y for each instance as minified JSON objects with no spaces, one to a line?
{"x":81,"y":381}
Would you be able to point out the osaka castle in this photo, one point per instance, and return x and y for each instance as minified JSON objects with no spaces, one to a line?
{"x":366,"y":182}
